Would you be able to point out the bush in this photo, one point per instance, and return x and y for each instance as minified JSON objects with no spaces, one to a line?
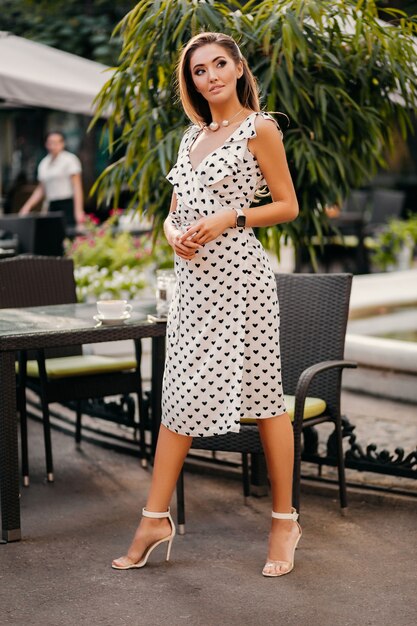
{"x":391,"y":241}
{"x":108,"y":263}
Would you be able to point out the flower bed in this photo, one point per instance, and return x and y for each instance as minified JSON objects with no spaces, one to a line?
{"x":115,"y":264}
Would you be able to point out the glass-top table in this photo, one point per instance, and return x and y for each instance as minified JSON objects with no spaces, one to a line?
{"x":59,"y":326}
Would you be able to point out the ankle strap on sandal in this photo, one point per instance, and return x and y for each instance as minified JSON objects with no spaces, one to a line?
{"x":293,"y":515}
{"x":157,"y":514}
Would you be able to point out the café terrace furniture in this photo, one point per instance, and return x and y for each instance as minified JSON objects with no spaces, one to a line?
{"x":313,"y":313}
{"x":313,"y":324}
{"x":365,"y":217}
{"x":36,"y":233}
{"x":66,"y":374}
{"x":341,"y":245}
{"x":348,"y":245}
{"x":363,"y":214}
{"x":40,"y":328}
{"x":385,"y":205}
{"x":357,"y":202}
{"x":8,"y":244}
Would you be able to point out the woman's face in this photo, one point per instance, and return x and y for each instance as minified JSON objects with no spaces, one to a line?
{"x":54,"y":144}
{"x":214,"y":73}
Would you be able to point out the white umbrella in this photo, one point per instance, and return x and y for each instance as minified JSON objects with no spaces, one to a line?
{"x":38,"y":75}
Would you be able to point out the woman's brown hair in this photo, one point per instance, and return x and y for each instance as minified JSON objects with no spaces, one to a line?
{"x":195,"y":105}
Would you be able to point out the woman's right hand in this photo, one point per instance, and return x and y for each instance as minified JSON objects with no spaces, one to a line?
{"x":184,"y":249}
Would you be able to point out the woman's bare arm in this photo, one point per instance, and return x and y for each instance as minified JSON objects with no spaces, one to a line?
{"x":268,"y":149}
{"x":37,"y":195}
{"x":77,"y":186}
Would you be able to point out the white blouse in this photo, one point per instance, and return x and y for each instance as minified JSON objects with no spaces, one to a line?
{"x":55,"y":175}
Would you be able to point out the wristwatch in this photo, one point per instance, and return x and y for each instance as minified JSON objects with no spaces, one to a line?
{"x":240,"y":218}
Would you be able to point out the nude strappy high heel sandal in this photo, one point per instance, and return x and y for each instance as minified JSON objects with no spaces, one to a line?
{"x":290,"y":564}
{"x":149,"y":549}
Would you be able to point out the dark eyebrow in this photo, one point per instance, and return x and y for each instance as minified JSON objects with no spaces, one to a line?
{"x":213,"y":60}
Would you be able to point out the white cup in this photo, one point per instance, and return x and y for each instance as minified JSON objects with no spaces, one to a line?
{"x":113,"y":309}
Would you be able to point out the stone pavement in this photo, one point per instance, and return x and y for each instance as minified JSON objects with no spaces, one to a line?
{"x":358,"y":569}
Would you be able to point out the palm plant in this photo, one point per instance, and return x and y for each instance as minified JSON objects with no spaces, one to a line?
{"x":343,"y":78}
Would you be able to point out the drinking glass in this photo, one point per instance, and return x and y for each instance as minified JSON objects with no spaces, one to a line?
{"x":165,"y":285}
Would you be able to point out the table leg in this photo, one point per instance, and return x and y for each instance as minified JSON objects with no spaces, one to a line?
{"x":158,"y":364}
{"x":9,"y":460}
{"x":259,"y":475}
{"x":362,"y":258}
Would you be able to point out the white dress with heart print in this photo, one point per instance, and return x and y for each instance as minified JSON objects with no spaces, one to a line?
{"x":223,"y":357}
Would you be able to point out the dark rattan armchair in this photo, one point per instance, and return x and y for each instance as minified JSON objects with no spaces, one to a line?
{"x":67,"y":374}
{"x":386,"y":204}
{"x":314,"y":311}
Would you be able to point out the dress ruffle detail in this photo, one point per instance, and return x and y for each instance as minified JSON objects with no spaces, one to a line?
{"x":231,"y":159}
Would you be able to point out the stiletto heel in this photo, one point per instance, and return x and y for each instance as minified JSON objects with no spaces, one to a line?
{"x":290,"y":564}
{"x":169,"y":549}
{"x":144,"y":558}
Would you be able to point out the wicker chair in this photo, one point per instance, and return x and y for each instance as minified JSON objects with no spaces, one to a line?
{"x":36,"y":233}
{"x":386,"y":204}
{"x":67,"y":374}
{"x":313,"y":312}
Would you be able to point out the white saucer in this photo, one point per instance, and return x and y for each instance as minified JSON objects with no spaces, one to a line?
{"x":156,"y":318}
{"x":112,"y":321}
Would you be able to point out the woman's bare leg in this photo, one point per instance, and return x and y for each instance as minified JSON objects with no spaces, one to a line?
{"x":171,"y":450}
{"x":278,"y":443}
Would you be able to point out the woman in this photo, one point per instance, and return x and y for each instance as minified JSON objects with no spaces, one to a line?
{"x":59,"y":175}
{"x":223,"y":360}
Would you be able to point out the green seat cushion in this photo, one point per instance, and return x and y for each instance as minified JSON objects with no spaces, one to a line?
{"x":81,"y":365}
{"x":312,"y":408}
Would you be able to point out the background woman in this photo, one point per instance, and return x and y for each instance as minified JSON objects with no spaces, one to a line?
{"x":59,"y":176}
{"x":223,"y":360}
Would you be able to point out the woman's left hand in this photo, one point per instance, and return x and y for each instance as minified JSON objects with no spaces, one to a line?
{"x":208,"y":228}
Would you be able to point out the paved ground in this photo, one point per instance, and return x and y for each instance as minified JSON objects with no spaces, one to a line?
{"x":358,"y":569}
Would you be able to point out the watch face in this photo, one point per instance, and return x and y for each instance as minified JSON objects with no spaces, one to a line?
{"x":241,"y":221}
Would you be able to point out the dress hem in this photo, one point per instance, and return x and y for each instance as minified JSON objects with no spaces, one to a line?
{"x":210,"y":433}
{"x":233,"y":429}
{"x":266,"y":416}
